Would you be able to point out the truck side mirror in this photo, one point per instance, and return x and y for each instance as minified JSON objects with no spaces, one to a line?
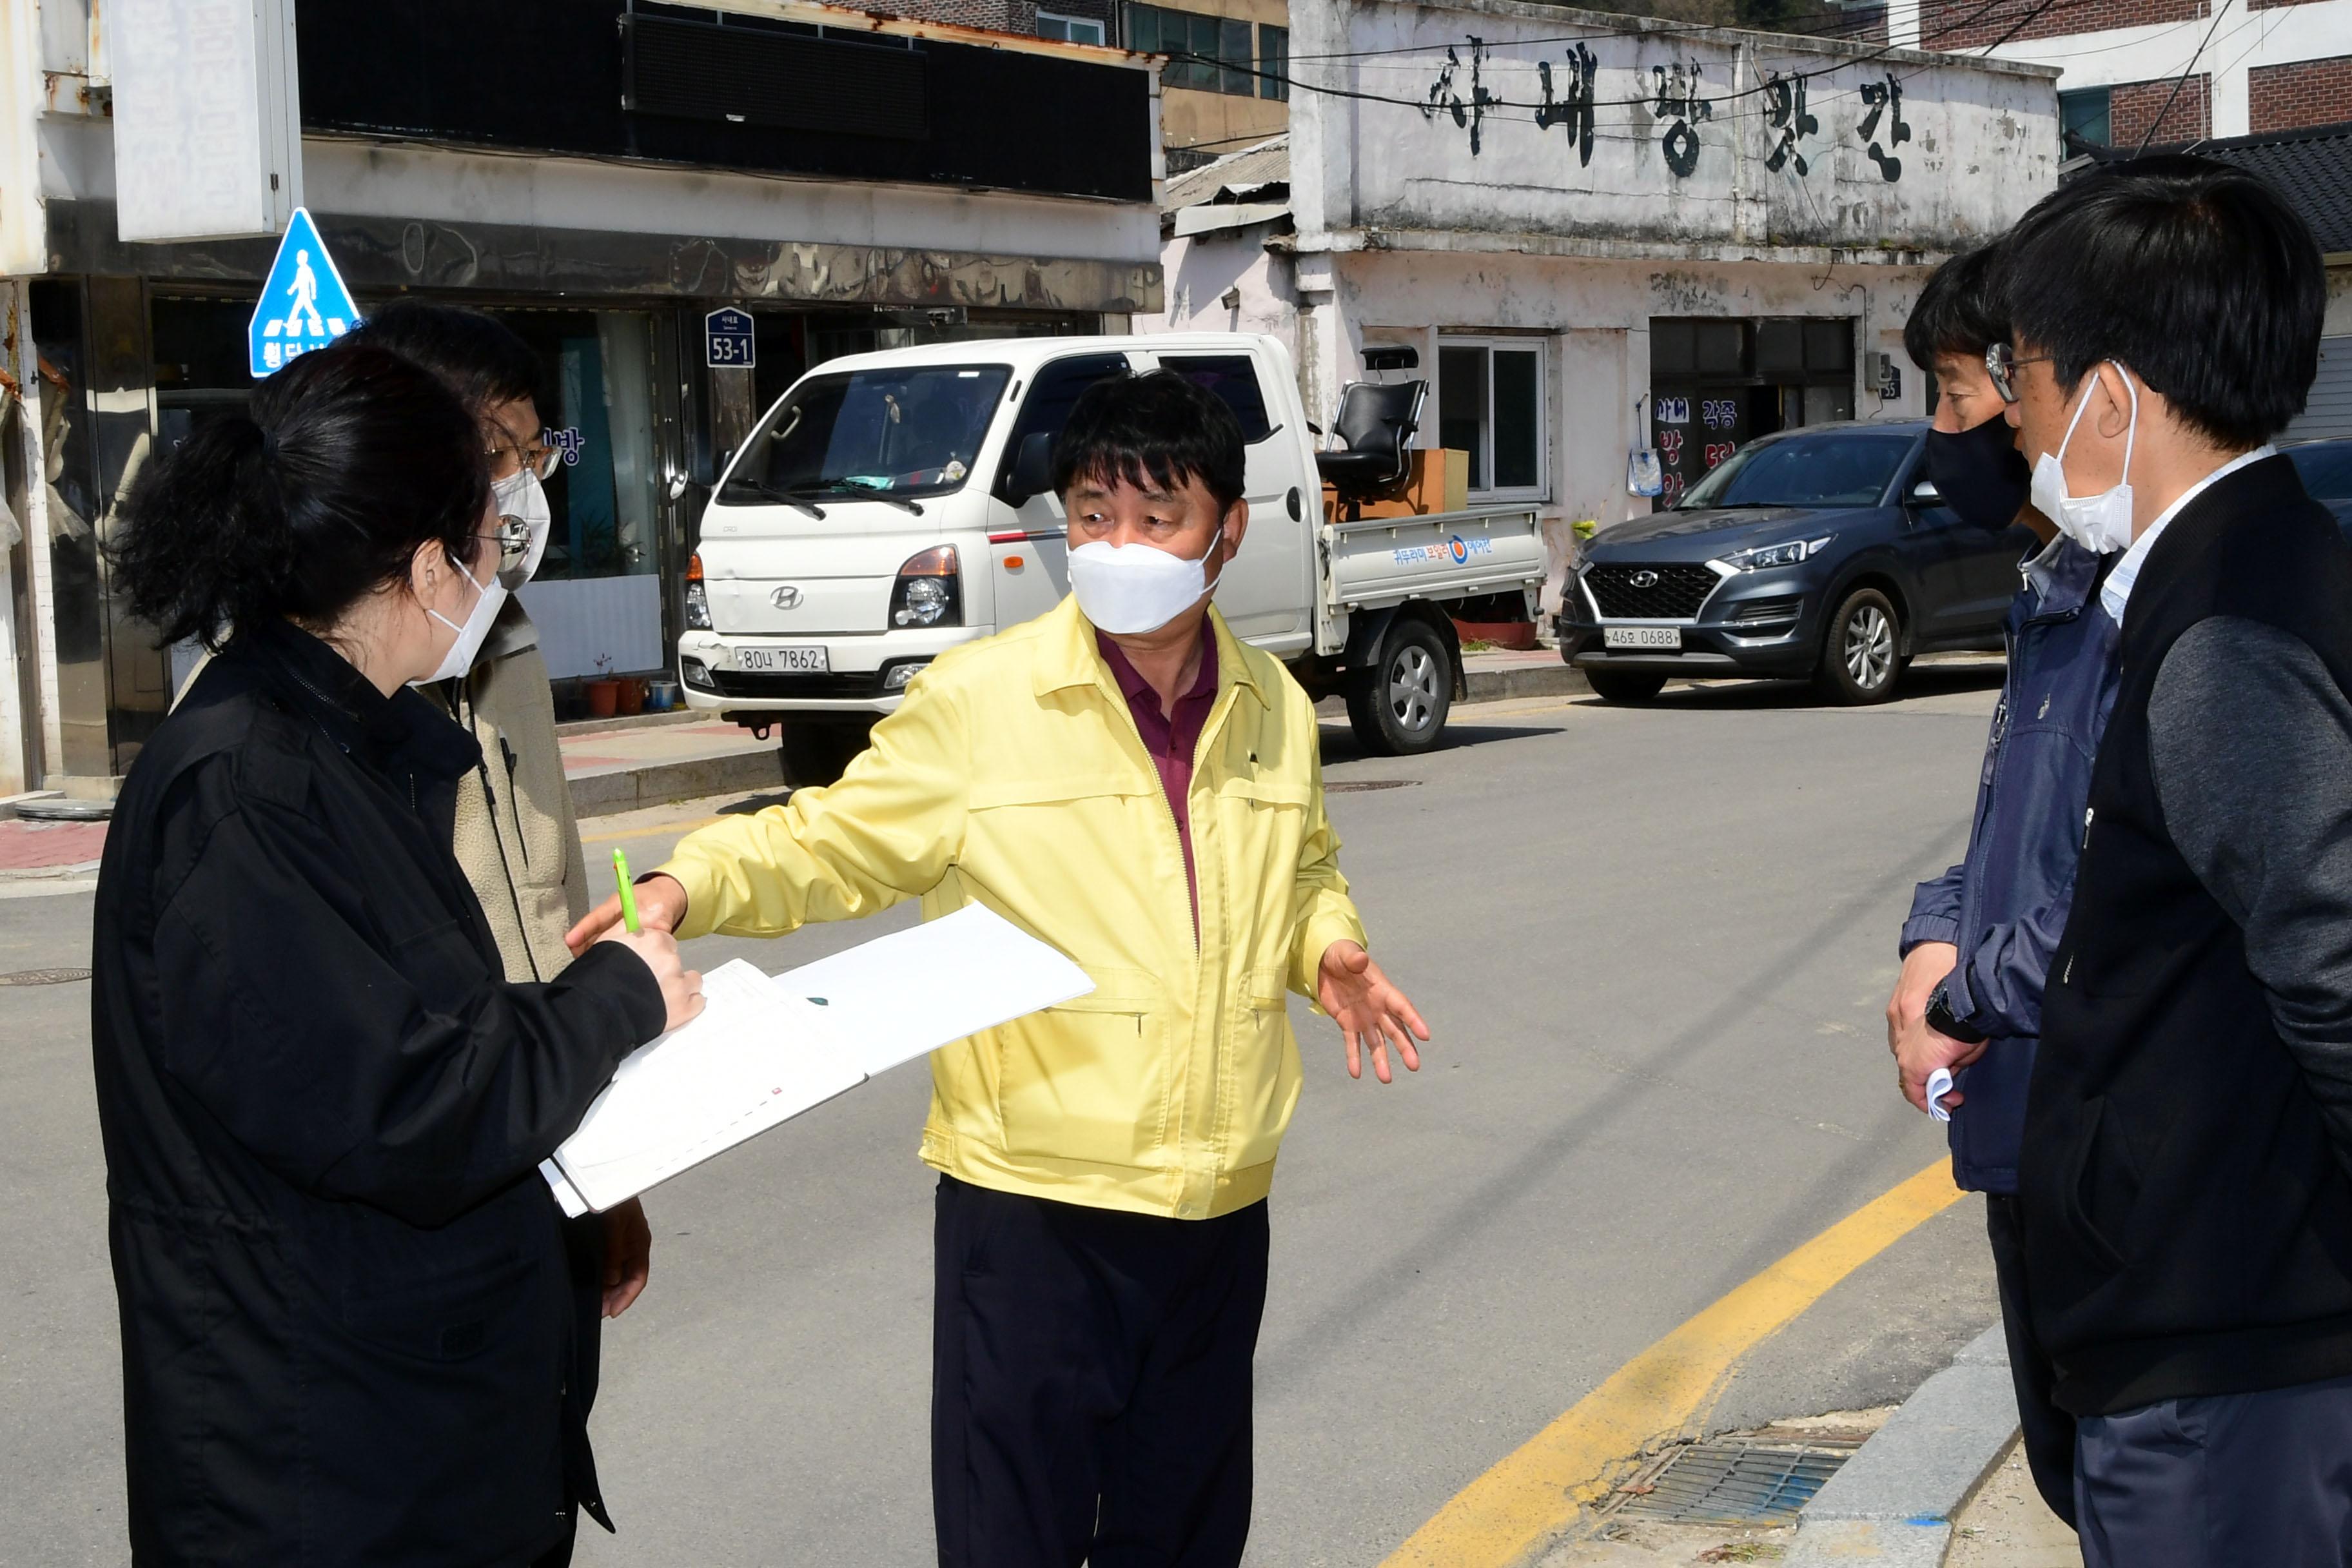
{"x":1033,"y":468}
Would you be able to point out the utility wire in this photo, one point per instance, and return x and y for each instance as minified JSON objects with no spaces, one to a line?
{"x":1657,"y":26}
{"x":1490,"y":105}
{"x":1668,"y":27}
{"x":2183,"y":81}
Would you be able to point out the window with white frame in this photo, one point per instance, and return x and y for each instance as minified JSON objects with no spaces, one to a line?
{"x":1490,"y":405}
{"x":1069,"y":29}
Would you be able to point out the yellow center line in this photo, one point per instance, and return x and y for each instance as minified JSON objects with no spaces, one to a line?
{"x":1534,"y":1494}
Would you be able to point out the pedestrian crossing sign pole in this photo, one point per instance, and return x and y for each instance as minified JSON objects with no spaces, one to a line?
{"x":303,"y":304}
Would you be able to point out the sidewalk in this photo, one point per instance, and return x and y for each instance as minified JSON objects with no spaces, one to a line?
{"x":49,"y":857}
{"x":1940,"y":1485}
{"x":2007,"y":1525}
{"x":629,"y":763}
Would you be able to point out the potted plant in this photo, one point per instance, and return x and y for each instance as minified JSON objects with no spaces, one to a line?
{"x":1497,"y":620}
{"x":632,"y":694}
{"x":603,"y":691}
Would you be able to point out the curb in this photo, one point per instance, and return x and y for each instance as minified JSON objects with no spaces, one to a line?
{"x":571,"y":726}
{"x":1525,"y":680}
{"x":8,"y":803}
{"x":659,"y":783}
{"x":1893,"y":1503}
{"x":48,"y":873}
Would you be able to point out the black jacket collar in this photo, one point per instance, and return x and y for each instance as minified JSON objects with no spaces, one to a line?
{"x":403,"y":733}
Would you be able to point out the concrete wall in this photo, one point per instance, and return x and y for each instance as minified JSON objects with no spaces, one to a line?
{"x":1489,"y":167}
{"x":2338,"y":321}
{"x":1204,"y":272}
{"x":1217,"y":122}
{"x":1475,"y":121}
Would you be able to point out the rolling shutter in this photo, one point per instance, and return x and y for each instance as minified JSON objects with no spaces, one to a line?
{"x":2328,"y":409}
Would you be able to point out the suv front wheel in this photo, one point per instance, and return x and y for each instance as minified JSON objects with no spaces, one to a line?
{"x":1861,"y":656}
{"x":1624,"y":685}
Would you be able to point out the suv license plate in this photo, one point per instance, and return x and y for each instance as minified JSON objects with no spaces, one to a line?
{"x":792,"y":660}
{"x":1668,"y":637}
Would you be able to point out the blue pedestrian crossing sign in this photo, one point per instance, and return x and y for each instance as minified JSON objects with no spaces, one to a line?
{"x":726,"y":340}
{"x":304,"y":304}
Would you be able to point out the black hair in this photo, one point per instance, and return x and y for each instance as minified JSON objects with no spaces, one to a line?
{"x":476,"y":354}
{"x":1959,"y":314}
{"x":2193,"y":273}
{"x":1157,"y":427}
{"x":347,"y":460}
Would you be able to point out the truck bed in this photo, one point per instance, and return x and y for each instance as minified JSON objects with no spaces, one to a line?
{"x":1379,"y":561}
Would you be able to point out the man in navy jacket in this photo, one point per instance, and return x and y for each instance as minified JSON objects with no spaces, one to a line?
{"x":1975,"y":950}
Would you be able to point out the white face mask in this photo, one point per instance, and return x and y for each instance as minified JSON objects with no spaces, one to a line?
{"x":2102,"y":524}
{"x":522,"y":496}
{"x":1126,"y":589}
{"x":471,"y":636}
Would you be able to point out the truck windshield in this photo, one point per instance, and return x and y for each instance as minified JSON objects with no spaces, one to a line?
{"x":1833,"y":468}
{"x":901,"y":432}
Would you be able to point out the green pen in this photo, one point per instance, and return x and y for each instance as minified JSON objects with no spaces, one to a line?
{"x":628,"y":892}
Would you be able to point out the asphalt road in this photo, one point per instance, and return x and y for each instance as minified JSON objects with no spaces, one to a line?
{"x":1653,"y":944}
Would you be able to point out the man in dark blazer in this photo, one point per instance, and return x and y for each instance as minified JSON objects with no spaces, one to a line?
{"x":2183,"y":1186}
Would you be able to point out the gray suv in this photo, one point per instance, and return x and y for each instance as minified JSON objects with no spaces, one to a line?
{"x":1823,"y":552}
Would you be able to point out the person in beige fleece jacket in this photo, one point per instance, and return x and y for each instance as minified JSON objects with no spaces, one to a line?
{"x":515,"y":834}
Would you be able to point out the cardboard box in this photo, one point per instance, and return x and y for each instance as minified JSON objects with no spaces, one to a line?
{"x":1435,"y":479}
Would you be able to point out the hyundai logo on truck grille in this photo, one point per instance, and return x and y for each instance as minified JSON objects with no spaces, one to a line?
{"x":1638,"y":579}
{"x":789,"y":597}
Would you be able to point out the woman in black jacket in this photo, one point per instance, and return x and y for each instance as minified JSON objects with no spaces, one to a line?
{"x":346,"y":1325}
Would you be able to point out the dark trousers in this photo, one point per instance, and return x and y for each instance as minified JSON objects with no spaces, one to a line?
{"x":2233,"y":1480}
{"x":1091,"y":1383}
{"x":2046,"y":1431}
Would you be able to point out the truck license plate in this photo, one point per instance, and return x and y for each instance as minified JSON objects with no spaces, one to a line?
{"x":790,"y":660}
{"x":1668,"y":637}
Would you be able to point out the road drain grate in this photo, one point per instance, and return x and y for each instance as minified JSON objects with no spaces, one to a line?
{"x":43,"y":977}
{"x":1734,"y":1481}
{"x":1353,"y":786}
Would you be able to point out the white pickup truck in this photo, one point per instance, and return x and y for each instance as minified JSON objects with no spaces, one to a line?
{"x":892,"y":505}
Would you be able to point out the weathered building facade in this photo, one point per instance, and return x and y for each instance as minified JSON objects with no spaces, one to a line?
{"x":602,"y":175}
{"x":1594,"y":233}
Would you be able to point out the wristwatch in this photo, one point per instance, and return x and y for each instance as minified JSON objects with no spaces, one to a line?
{"x":1940,"y":1017}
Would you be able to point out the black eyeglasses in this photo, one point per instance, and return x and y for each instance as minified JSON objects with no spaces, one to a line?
{"x":2001,"y":363}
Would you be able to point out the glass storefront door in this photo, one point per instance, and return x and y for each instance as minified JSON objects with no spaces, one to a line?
{"x":1717,"y":384}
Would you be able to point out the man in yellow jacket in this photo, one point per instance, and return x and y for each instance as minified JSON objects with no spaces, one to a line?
{"x":1127,"y":782}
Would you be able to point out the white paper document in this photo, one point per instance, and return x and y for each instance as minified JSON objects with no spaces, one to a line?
{"x":753,"y":1058}
{"x":764,"y":1050}
{"x":906,"y":994}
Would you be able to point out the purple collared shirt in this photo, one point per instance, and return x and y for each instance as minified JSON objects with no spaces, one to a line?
{"x":1170,"y":738}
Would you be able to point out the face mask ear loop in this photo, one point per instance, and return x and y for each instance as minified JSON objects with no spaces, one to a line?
{"x":2068,"y":490}
{"x":2131,"y":432}
{"x":469,"y":576}
{"x":1222,"y":564}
